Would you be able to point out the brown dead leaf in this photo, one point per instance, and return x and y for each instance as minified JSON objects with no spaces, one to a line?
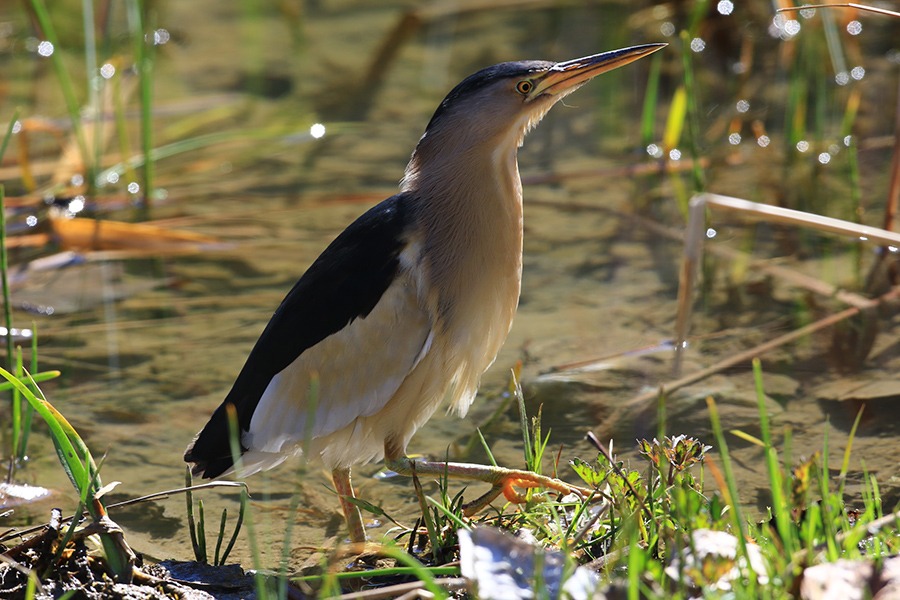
{"x":88,"y":234}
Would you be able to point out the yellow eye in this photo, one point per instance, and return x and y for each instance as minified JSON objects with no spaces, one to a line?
{"x":524,"y":86}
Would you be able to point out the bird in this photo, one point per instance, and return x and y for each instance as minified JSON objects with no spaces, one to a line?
{"x":406,"y":308}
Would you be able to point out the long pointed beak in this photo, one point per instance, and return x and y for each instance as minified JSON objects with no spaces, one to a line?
{"x":566,"y":76}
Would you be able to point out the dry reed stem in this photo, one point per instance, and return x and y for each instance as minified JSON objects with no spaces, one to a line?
{"x":789,"y":275}
{"x":880,"y":11}
{"x":693,"y":248}
{"x":773,"y":214}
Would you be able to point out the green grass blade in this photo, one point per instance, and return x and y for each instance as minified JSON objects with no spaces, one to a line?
{"x":636,"y":559}
{"x":262,"y":591}
{"x":833,"y":39}
{"x":69,"y":458}
{"x":419,"y":570}
{"x":845,"y":465}
{"x":92,"y":478}
{"x":143,"y":59}
{"x":295,"y":505}
{"x":29,"y":410}
{"x":93,"y":74}
{"x":827,"y":516}
{"x":447,"y":513}
{"x":4,"y":272}
{"x":433,"y":536}
{"x":192,"y":526}
{"x":201,"y":531}
{"x":776,"y":480}
{"x":9,"y":132}
{"x":121,"y":122}
{"x":484,"y":445}
{"x":65,"y":83}
{"x":16,"y":404}
{"x":237,"y":528}
{"x":37,"y":378}
{"x":876,"y":498}
{"x":221,"y":536}
{"x":692,"y":113}
{"x":736,"y":512}
{"x":523,"y":423}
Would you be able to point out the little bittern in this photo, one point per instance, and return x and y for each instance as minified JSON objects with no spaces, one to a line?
{"x":409,"y":305}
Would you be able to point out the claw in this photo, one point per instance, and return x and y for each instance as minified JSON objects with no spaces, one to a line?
{"x":510,"y":493}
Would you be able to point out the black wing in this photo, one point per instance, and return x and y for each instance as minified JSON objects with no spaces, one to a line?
{"x":344,"y":283}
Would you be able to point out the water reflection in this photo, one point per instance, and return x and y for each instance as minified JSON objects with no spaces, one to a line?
{"x":596,"y":281}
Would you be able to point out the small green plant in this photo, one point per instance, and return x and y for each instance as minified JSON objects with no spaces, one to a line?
{"x":656,"y":519}
{"x":197,"y":527}
{"x":83,"y":472}
{"x":441,"y":518}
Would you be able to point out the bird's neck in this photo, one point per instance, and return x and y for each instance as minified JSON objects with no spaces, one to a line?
{"x":467,"y":182}
{"x":469,"y":208}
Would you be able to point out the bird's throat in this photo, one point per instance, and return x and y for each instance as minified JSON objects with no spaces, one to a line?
{"x":472,"y":224}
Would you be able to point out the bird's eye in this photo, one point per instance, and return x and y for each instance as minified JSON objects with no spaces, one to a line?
{"x":524,"y":86}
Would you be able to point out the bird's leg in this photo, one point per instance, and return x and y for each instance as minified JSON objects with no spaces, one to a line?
{"x":341,"y":478}
{"x":503,"y":481}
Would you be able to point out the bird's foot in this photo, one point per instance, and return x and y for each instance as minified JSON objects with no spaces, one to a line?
{"x":503,"y":481}
{"x":509,"y":480}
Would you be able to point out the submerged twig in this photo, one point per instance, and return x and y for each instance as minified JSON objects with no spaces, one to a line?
{"x":639,"y":401}
{"x":147,"y":498}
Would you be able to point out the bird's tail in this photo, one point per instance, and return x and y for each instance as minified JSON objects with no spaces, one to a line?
{"x":209,"y":454}
{"x":251,"y":461}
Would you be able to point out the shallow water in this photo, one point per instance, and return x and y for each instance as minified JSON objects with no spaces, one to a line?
{"x":151,"y":346}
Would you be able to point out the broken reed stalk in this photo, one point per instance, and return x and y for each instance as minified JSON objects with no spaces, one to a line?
{"x":692,"y":253}
{"x":773,"y":214}
{"x":880,"y":11}
{"x":787,"y":274}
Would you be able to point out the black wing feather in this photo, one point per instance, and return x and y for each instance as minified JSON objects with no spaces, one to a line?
{"x":344,"y":283}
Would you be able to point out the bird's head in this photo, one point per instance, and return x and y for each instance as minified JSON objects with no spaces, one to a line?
{"x":494,"y":108}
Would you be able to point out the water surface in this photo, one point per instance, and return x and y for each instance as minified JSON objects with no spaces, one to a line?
{"x":148,"y":348}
